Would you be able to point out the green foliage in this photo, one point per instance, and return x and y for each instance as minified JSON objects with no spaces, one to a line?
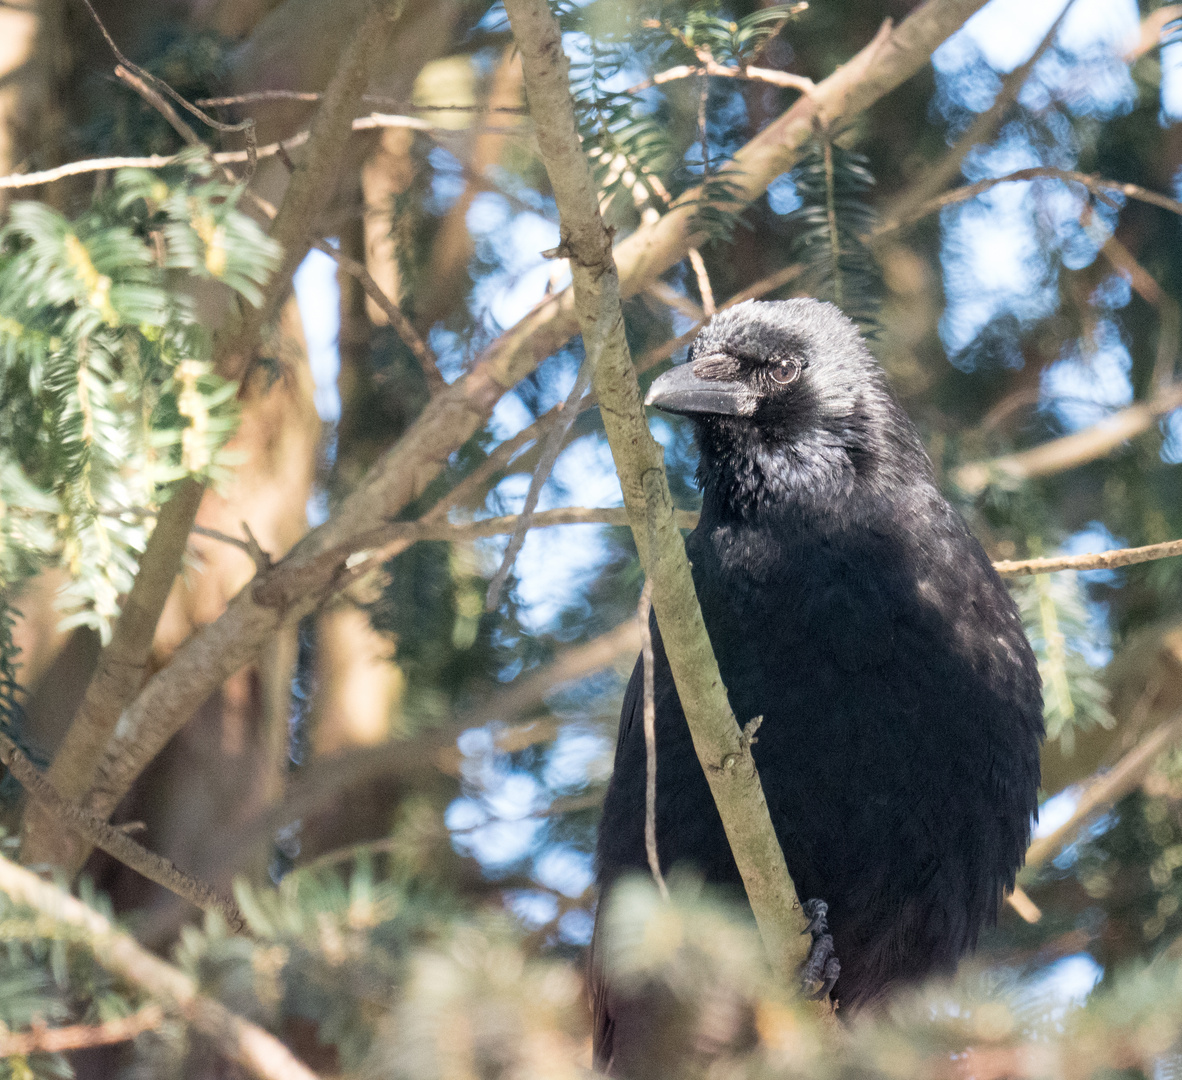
{"x":834,"y":221}
{"x":1054,"y":612}
{"x":107,"y":391}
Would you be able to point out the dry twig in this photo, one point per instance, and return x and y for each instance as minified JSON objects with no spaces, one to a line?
{"x":42,"y":1039}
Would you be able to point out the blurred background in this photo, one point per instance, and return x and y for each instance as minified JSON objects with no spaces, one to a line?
{"x":404,"y":738}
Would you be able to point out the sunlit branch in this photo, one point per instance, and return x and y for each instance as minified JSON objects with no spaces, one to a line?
{"x":1095,"y":184}
{"x":42,"y":1039}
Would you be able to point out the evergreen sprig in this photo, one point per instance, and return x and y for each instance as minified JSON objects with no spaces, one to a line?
{"x":107,"y":392}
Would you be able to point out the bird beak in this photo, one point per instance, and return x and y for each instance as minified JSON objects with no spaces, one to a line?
{"x":679,"y":390}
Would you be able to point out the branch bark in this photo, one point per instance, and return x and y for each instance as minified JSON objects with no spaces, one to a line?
{"x":314,"y":180}
{"x":257,"y":1051}
{"x":115,"y":841}
{"x":48,"y":1040}
{"x":640,"y":463}
{"x":453,"y":416}
{"x":117,"y":679}
{"x":1078,"y":448}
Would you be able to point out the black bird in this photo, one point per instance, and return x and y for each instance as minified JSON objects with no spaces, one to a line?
{"x":850,"y":607}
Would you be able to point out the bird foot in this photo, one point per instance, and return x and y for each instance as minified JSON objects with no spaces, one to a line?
{"x":822,"y":968}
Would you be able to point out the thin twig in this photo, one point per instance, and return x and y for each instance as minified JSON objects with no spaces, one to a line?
{"x":783,"y":79}
{"x":49,"y":1040}
{"x":650,"y":740}
{"x":935,"y":179}
{"x":370,"y":99}
{"x":1095,"y":184}
{"x":704,"y":288}
{"x":224,"y":157}
{"x":159,"y":103}
{"x":257,"y":1051}
{"x":402,"y":325}
{"x":115,"y":841}
{"x":551,"y":448}
{"x":221,"y":537}
{"x":247,"y":126}
{"x":1104,"y":560}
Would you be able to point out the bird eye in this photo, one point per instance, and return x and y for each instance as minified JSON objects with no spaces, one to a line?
{"x":786,"y":371}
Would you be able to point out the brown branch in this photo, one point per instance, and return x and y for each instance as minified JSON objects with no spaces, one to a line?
{"x":650,"y":740}
{"x":1095,"y":184}
{"x":118,"y":677}
{"x":60,"y":1040}
{"x":1067,"y":452}
{"x":257,"y":1051}
{"x":370,"y":99}
{"x":159,"y":103}
{"x":704,"y":288}
{"x":314,"y":180}
{"x":1107,"y":788}
{"x":214,"y":652}
{"x":115,"y":841}
{"x":936,"y":178}
{"x":402,"y":325}
{"x":783,"y":79}
{"x":1105,"y":560}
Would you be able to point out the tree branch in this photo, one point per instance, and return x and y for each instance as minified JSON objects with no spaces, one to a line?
{"x":48,"y":1040}
{"x":117,"y":679}
{"x":257,"y":1051}
{"x":934,"y":179}
{"x":640,"y":465}
{"x":1095,"y":184}
{"x":213,"y":653}
{"x":115,"y":841}
{"x":1107,"y":788}
{"x":1067,"y":452}
{"x":314,"y":180}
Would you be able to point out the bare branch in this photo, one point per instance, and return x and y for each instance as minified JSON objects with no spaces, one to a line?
{"x":116,"y":841}
{"x":257,"y":1051}
{"x":117,"y":678}
{"x":982,"y":130}
{"x":783,"y":79}
{"x":1105,"y":560}
{"x":704,"y":288}
{"x":49,"y":1040}
{"x":1095,"y":184}
{"x":640,"y":466}
{"x":314,"y":180}
{"x":650,"y":740}
{"x":1107,"y":788}
{"x":402,"y":325}
{"x":369,"y":99}
{"x":1067,"y":452}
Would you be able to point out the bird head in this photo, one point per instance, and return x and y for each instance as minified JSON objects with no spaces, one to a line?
{"x":788,"y":402}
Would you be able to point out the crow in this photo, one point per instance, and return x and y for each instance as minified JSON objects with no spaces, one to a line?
{"x":850,"y":607}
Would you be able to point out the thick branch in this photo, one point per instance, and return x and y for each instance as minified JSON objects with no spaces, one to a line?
{"x":61,"y":1040}
{"x":453,"y":416}
{"x":119,"y":675}
{"x":1108,"y":788}
{"x":1079,"y":448}
{"x":639,"y":459}
{"x":257,"y":1051}
{"x":314,"y":180}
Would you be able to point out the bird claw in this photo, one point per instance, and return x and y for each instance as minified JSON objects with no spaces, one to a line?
{"x":822,"y":968}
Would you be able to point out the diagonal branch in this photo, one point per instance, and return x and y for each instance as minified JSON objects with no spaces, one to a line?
{"x":258,"y":1052}
{"x":718,"y":739}
{"x":115,"y":841}
{"x":402,"y":474}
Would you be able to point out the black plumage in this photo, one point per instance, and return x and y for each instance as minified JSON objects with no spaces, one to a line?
{"x":848,"y":605}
